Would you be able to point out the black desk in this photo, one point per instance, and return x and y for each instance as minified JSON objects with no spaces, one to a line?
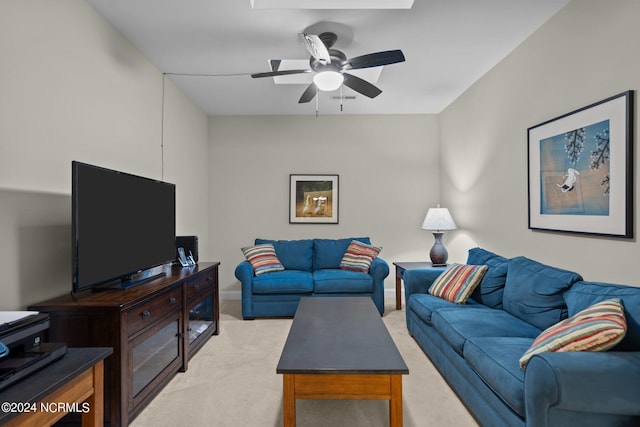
{"x":339,"y":348}
{"x":73,"y":383}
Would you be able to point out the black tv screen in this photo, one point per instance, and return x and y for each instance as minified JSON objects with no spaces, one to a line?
{"x":122,"y":224}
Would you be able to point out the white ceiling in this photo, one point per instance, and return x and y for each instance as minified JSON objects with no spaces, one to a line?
{"x":448,"y":45}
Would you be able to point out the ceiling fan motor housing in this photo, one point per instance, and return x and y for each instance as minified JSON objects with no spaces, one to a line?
{"x":338,"y":59}
{"x":328,"y":38}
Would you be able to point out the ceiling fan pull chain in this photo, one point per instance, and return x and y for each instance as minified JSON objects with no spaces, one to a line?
{"x":341,"y":98}
{"x":317,"y":100}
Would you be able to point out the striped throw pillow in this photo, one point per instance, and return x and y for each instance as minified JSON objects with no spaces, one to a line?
{"x":263,"y":258}
{"x":596,"y":328}
{"x":456,"y":283}
{"x":359,"y":256}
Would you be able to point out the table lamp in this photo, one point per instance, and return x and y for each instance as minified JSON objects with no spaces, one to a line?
{"x":438,"y":220}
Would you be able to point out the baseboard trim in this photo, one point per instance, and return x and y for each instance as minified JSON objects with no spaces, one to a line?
{"x":230,"y":295}
{"x":389,"y":294}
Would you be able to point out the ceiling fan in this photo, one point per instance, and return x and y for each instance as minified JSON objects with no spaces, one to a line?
{"x":331,"y":67}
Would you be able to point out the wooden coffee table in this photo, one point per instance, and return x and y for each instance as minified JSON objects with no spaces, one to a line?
{"x":339,"y":348}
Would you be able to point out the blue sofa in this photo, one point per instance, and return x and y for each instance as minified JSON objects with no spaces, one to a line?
{"x":477,"y":346}
{"x":311,"y":269}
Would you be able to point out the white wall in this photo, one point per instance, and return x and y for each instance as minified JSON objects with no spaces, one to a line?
{"x":586,"y":53}
{"x":186,"y":164}
{"x":388,"y":177}
{"x":72,"y":88}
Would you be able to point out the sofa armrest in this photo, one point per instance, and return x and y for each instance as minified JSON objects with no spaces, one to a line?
{"x":244,"y":273}
{"x":379,"y":270}
{"x":418,"y":281}
{"x":599,"y":385}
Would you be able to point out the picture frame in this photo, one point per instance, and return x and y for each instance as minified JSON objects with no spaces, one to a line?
{"x":313,"y":199}
{"x":580,"y":170}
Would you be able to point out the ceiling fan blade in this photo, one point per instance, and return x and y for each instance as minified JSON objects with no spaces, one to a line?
{"x":375,"y":59}
{"x":360,"y":85}
{"x":308,"y":94}
{"x":316,"y":48}
{"x":279,"y":73}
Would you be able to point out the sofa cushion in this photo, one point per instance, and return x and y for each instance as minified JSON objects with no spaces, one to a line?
{"x":284,"y":282}
{"x":424,"y":305}
{"x":293,"y":254}
{"x":534,"y":292}
{"x":456,"y":283}
{"x":492,"y":285}
{"x":495,"y":360}
{"x":584,"y":294}
{"x":358,"y":256}
{"x":341,"y":281}
{"x":596,"y":328}
{"x":263,"y":259}
{"x":459,"y":323}
{"x":328,"y":253}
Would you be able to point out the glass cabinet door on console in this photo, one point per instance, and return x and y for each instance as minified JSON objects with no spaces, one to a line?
{"x":151,"y":354}
{"x":201,"y":317}
{"x":202,"y":309}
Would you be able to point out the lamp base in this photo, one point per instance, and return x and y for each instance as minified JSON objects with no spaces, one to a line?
{"x":438,"y":253}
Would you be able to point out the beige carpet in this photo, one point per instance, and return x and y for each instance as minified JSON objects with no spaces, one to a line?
{"x":232,"y":381}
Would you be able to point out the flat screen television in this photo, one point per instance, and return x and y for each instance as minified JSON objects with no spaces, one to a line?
{"x":123,"y":226}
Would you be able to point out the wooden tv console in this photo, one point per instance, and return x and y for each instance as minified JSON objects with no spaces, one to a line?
{"x":154,"y":329}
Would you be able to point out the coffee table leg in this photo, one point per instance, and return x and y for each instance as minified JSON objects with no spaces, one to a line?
{"x":289,"y":400}
{"x":395,"y":403}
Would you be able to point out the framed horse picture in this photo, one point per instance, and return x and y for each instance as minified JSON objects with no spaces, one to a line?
{"x":313,"y":199}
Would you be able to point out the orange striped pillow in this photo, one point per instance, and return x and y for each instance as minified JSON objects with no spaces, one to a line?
{"x":596,"y":328}
{"x":457,"y":282}
{"x":359,"y":257}
{"x":263,"y":258}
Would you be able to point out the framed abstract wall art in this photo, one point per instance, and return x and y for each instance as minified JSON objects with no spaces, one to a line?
{"x":581,"y":170}
{"x":313,"y":199}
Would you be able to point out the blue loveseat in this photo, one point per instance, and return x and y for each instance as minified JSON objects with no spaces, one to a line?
{"x":311,"y":269}
{"x":477,"y":346}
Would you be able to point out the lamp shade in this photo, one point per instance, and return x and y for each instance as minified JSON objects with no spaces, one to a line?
{"x":438,"y":219}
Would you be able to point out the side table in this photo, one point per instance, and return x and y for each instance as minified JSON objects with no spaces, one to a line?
{"x":73,"y":383}
{"x":401,"y":267}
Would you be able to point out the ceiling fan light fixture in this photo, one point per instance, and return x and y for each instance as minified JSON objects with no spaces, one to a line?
{"x":328,"y":80}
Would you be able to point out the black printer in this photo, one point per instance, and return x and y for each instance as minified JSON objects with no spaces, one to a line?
{"x":25,"y":349}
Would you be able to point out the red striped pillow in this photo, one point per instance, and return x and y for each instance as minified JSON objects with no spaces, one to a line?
{"x":457,"y":282}
{"x":359,"y":256}
{"x":596,"y":328}
{"x":263,"y":258}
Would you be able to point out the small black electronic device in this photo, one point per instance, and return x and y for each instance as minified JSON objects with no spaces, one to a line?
{"x":190,"y":246}
{"x":26,"y":351}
